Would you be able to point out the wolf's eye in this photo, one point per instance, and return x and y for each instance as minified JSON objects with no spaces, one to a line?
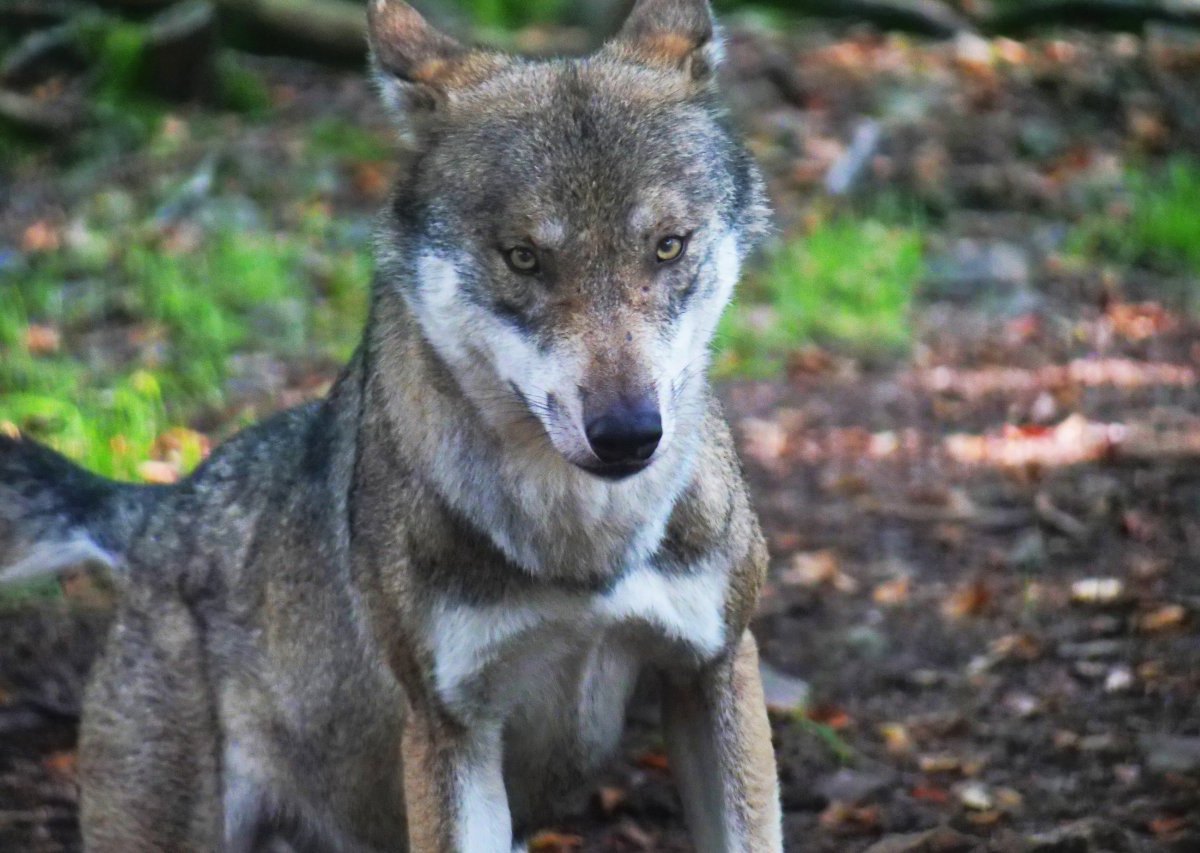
{"x":670,"y":248}
{"x":522,"y":259}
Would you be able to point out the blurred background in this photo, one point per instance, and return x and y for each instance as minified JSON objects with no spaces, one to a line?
{"x":962,"y":373}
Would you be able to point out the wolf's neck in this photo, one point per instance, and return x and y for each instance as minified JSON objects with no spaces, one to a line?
{"x":504,"y":475}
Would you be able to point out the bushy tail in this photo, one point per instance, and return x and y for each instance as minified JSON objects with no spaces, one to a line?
{"x":55,"y":516}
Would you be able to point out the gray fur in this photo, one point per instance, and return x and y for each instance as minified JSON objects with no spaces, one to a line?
{"x":291,"y":660}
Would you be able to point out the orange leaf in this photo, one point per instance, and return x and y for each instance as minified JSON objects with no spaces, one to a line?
{"x":929,"y":794}
{"x":160,"y":473}
{"x":893,"y":591}
{"x":850,"y":819}
{"x":41,"y":339}
{"x":61,"y":763}
{"x":969,"y":600}
{"x":609,"y":798}
{"x":554,"y":842}
{"x":1166,"y":827}
{"x":41,"y":236}
{"x":829,"y":715}
{"x":1163,"y":618}
{"x":654,"y":759}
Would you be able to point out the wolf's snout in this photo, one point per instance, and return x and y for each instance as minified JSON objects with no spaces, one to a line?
{"x":625,"y":434}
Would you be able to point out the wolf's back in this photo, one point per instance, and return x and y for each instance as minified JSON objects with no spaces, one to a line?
{"x":54,"y":515}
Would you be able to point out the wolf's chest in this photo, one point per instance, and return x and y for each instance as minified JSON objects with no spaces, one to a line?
{"x":486,"y":656}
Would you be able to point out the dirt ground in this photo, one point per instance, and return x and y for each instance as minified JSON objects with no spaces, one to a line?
{"x":985,"y":553}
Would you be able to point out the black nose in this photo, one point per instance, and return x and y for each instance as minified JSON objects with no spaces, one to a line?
{"x":625,"y":435}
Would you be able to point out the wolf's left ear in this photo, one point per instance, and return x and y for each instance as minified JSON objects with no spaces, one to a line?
{"x":416,"y":66}
{"x":677,"y":35}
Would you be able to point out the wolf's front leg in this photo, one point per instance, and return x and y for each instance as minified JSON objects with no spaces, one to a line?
{"x":454,"y":787}
{"x":719,"y":743}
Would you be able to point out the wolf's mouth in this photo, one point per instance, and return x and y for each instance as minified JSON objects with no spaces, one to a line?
{"x":615,"y":471}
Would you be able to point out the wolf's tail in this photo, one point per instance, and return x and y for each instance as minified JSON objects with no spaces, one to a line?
{"x":56,"y":516}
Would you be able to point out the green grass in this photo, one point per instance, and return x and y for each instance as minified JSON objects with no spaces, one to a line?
{"x":1161,"y":229}
{"x":513,"y":14}
{"x":339,"y":139}
{"x":173,"y":320}
{"x":849,"y":283}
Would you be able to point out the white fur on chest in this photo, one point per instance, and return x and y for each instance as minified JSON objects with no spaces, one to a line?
{"x":523,"y":640}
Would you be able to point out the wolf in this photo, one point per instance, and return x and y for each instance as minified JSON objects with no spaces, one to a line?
{"x":410,"y":616}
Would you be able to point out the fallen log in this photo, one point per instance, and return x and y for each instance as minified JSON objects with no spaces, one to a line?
{"x":36,"y":118}
{"x":20,"y":16}
{"x":332,"y":30}
{"x":1105,"y":15}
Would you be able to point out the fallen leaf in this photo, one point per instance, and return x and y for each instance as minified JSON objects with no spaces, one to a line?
{"x":763,"y":441}
{"x":829,"y":715}
{"x":1163,"y":618}
{"x":609,"y":798}
{"x":61,"y":763}
{"x":942,"y":762}
{"x":554,"y":842}
{"x":969,"y":600}
{"x":896,"y":738}
{"x":849,"y":819}
{"x":41,"y":236}
{"x":930,"y":794}
{"x":818,"y":568}
{"x":892,"y":592}
{"x":654,"y":759}
{"x":1016,"y":647}
{"x":370,"y":180}
{"x":159,"y":473}
{"x":1167,"y":827}
{"x":41,"y":339}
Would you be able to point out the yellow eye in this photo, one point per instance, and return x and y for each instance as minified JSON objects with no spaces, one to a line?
{"x":670,"y":248}
{"x":522,"y":259}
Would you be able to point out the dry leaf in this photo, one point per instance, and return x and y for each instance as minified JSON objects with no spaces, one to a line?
{"x":1166,"y":827}
{"x":554,"y":842}
{"x":1163,"y":618}
{"x":42,"y":340}
{"x":829,"y":715}
{"x":942,"y":762}
{"x":969,"y":600}
{"x":896,"y":738}
{"x":844,"y":818}
{"x":159,"y":473}
{"x":41,"y":236}
{"x":654,"y":759}
{"x":818,"y":568}
{"x":930,"y":794}
{"x":61,"y":763}
{"x":894,"y":591}
{"x":609,"y":798}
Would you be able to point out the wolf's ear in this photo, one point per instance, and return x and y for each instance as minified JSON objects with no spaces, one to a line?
{"x":671,"y":34}
{"x":416,"y":66}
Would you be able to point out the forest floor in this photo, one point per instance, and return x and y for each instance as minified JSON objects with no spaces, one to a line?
{"x":985,"y":536}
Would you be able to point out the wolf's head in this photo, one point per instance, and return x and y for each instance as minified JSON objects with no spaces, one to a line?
{"x":567,"y":233}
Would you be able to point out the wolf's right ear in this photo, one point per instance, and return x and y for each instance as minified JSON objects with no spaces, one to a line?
{"x":676,"y":35}
{"x":417,"y":67}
